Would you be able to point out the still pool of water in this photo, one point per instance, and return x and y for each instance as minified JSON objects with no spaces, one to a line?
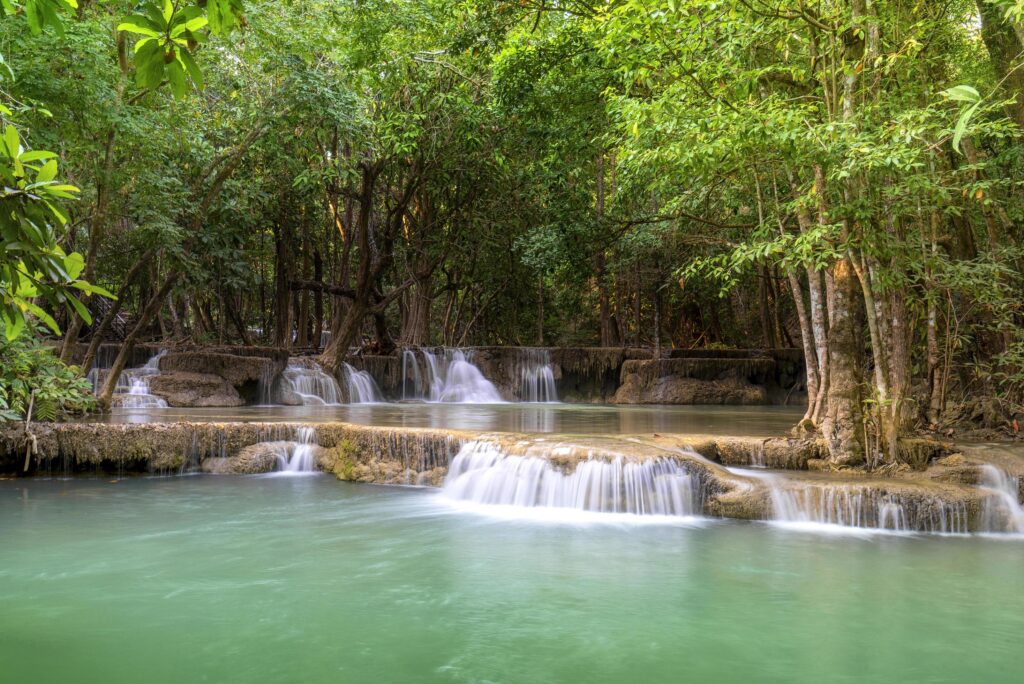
{"x":756,"y":421}
{"x":304,"y":579}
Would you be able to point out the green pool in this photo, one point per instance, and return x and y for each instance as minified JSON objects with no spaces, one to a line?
{"x":304,"y":579}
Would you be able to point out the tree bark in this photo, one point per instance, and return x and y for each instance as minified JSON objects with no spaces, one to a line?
{"x":843,"y":423}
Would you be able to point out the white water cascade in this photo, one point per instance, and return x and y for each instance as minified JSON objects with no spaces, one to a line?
{"x":536,"y":377}
{"x":311,"y":384}
{"x":361,"y":387}
{"x":132,"y":388}
{"x":300,"y":456}
{"x":447,"y":376}
{"x":484,"y":473}
{"x":1001,"y":511}
{"x":862,"y":507}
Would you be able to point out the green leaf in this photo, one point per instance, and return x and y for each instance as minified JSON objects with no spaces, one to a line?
{"x":176,"y":77}
{"x":81,"y":310}
{"x":46,"y":318}
{"x":190,"y":65}
{"x":149,"y":64}
{"x":47,"y":172}
{"x":962,"y":93}
{"x":139,"y":24}
{"x":36,"y":155}
{"x":14,"y":323}
{"x":12,"y":141}
{"x":92,"y":289}
{"x":73,"y":264}
{"x":961,"y":125}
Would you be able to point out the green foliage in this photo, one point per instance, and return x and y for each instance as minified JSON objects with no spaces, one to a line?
{"x":30,"y":373}
{"x":34,"y":264}
{"x":170,"y":34}
{"x":39,"y":13}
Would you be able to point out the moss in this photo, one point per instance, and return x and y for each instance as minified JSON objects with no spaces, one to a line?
{"x":344,"y":460}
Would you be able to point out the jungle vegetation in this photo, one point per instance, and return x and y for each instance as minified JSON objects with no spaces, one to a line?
{"x":841,"y":176}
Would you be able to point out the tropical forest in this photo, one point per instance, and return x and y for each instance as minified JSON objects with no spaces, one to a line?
{"x":512,"y":340}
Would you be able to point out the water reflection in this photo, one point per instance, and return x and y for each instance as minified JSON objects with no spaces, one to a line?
{"x":540,"y":418}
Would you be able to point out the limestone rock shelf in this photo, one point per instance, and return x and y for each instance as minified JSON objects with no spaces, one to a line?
{"x":738,"y":477}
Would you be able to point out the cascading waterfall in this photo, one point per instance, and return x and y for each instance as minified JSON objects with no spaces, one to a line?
{"x":536,"y":376}
{"x":132,"y":388}
{"x":1001,"y":511}
{"x":312,"y":384}
{"x":361,"y":387}
{"x":447,"y":376}
{"x":483,"y":473}
{"x":855,"y":506}
{"x":299,"y":456}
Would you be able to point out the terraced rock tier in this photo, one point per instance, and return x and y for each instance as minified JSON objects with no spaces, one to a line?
{"x":975,"y":489}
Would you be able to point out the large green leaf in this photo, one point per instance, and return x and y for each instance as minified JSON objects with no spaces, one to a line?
{"x":962,"y":93}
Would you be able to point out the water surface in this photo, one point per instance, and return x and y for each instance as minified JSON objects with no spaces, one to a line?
{"x":754,"y":421}
{"x":304,"y":579}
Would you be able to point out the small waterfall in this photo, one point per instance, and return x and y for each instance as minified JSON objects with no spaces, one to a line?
{"x":447,"y":376}
{"x":300,"y":456}
{"x":132,"y":388}
{"x":361,"y":387}
{"x":864,"y":507}
{"x":139,"y":397}
{"x":312,"y":384}
{"x":536,"y":376}
{"x":1001,"y":511}
{"x":484,"y":473}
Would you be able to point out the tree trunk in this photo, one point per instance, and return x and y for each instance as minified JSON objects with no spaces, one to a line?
{"x":318,"y":301}
{"x":115,"y":308}
{"x":843,"y":421}
{"x":282,"y":291}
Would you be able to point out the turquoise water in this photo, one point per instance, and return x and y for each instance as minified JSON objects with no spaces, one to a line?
{"x":588,"y":419}
{"x":304,"y":579}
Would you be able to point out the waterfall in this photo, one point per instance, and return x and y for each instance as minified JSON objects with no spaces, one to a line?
{"x":361,"y":387}
{"x":865,"y":507}
{"x":311,"y":384}
{"x":483,"y":473}
{"x":536,"y":376}
{"x":447,"y":376}
{"x":300,"y":456}
{"x":132,"y":388}
{"x":1001,"y":511}
{"x":138,"y":395}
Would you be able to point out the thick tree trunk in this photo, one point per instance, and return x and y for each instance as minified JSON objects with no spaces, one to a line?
{"x":417,"y":319}
{"x":843,"y":421}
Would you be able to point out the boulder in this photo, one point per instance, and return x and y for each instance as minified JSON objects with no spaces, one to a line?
{"x":263,"y":457}
{"x":237,"y":370}
{"x":194,"y":390}
{"x":673,"y":389}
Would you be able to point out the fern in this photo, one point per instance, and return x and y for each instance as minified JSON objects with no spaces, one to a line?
{"x":28,"y":368}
